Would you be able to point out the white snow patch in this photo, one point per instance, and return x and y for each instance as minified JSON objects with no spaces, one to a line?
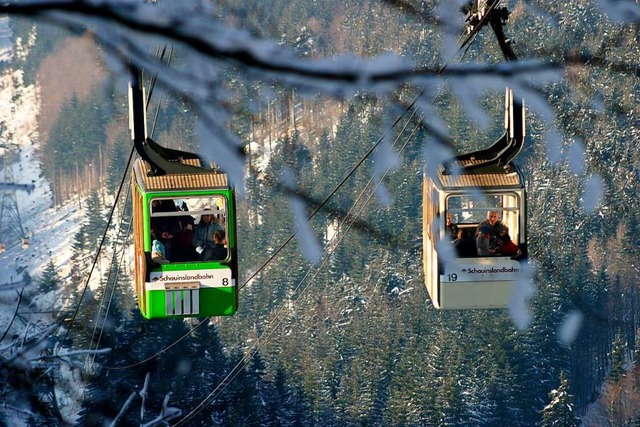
{"x":524,"y":290}
{"x":592,"y":193}
{"x":577,"y":157}
{"x":309,"y":246}
{"x":623,"y":11}
{"x":568,"y":330}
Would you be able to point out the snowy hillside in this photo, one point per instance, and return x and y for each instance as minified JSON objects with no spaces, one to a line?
{"x":6,"y":44}
{"x":49,"y":229}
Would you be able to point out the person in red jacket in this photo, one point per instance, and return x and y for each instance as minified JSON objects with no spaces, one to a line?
{"x":504,"y":245}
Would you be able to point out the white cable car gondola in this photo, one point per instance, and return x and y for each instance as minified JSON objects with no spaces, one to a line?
{"x":470,"y":270}
{"x":467,"y":189}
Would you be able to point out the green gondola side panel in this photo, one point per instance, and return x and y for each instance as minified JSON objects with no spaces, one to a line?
{"x":180,"y":290}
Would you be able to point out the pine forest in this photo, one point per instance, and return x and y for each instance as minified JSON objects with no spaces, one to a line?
{"x":350,"y":337}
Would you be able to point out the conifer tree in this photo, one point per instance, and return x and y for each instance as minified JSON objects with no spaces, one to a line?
{"x":242,"y":398}
{"x":618,"y":358}
{"x":289,"y":405}
{"x":207,"y":355}
{"x":81,"y":257}
{"x":636,"y":353}
{"x":95,"y":221}
{"x":74,"y":139}
{"x":559,"y":412}
{"x":49,"y":281}
{"x":117,"y":162}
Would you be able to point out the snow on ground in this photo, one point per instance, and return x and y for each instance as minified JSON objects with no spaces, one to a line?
{"x":50,"y":230}
{"x":6,"y":42}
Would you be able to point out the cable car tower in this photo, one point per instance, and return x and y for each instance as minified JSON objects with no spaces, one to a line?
{"x":11,"y":229}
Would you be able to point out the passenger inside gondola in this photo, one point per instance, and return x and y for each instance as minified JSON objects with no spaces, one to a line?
{"x":217,"y":251}
{"x":182,"y":240}
{"x":452,"y":229}
{"x":164,"y":227}
{"x":487,"y":234}
{"x":176,"y":237}
{"x":159,"y":246}
{"x":203,"y":234}
{"x":504,"y":245}
{"x":465,"y":245}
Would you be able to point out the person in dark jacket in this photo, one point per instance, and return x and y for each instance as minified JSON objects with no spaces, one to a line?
{"x":465,"y":246}
{"x":182,"y":248}
{"x":452,"y":229}
{"x":163,"y":228}
{"x":217,"y":251}
{"x":487,"y":233}
{"x":203,"y":233}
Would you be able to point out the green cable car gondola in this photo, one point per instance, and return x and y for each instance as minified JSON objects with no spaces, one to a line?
{"x":186,"y":262}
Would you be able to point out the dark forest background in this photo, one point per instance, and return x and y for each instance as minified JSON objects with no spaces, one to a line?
{"x":355,"y":340}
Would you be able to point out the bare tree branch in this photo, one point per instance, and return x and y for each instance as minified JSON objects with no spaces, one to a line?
{"x":14,"y":315}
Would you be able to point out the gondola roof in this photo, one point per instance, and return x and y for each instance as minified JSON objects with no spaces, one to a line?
{"x":505,"y":179}
{"x":184,"y":181}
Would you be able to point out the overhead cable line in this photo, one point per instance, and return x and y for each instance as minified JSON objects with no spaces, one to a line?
{"x":109,"y":220}
{"x":409,"y":108}
{"x":256,"y":346}
{"x":333,"y":191}
{"x":300,"y":289}
{"x":152,"y":84}
{"x":100,"y":321}
{"x":273,"y":256}
{"x":96,"y":257}
{"x":111,"y":278}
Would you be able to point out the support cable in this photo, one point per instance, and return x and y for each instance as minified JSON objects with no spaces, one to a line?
{"x":300,"y":289}
{"x":410,"y":107}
